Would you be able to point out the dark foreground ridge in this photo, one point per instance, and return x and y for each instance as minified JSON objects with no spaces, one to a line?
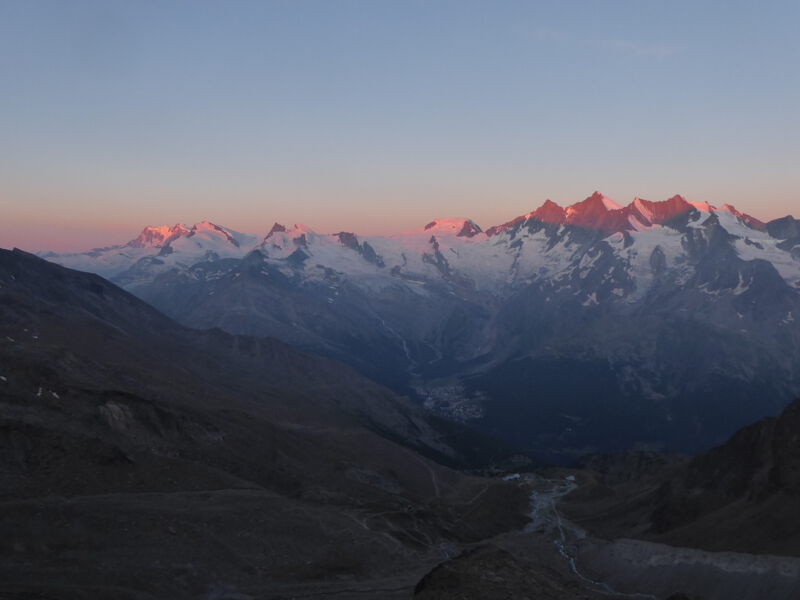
{"x":141,"y":459}
{"x":741,"y":496}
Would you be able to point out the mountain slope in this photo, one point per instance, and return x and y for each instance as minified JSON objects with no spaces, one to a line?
{"x":141,"y":459}
{"x":740,"y":496}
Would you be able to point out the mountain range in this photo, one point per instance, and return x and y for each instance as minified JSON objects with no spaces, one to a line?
{"x":566,"y":331}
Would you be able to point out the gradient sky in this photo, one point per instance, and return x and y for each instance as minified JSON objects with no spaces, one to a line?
{"x":378,"y":116}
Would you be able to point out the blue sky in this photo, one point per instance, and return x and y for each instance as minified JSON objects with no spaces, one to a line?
{"x":378,"y":116}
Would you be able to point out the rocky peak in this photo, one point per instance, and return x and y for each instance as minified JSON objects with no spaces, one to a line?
{"x":156,"y":237}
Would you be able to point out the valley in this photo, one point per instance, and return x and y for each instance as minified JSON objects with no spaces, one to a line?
{"x":226,"y":474}
{"x":610,"y":568}
{"x":676,"y":314}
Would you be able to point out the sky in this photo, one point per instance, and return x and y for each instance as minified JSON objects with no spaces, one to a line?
{"x":377,"y":116}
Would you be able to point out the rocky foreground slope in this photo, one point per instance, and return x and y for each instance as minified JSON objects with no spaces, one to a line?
{"x":741,"y":496}
{"x":140,"y":459}
{"x":641,"y":525}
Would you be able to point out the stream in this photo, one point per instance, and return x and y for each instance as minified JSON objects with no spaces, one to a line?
{"x":546,"y":519}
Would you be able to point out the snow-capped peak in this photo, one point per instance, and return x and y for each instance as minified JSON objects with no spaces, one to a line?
{"x":549,"y":212}
{"x":208,"y":235}
{"x":206,"y":226}
{"x":445,"y":245}
{"x":450,"y":225}
{"x":210,"y":230}
{"x":703,"y":207}
{"x":744,"y":217}
{"x":607,"y":202}
{"x":597,"y":212}
{"x":465,"y":228}
{"x":155,"y":237}
{"x":658,"y":213}
{"x":598,"y":198}
{"x":643,"y":209}
{"x":593,"y":204}
{"x":276,"y":228}
{"x":283,"y":237}
{"x":301,"y":228}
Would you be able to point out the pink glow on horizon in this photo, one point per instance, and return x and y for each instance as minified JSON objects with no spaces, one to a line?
{"x":63,"y":237}
{"x":48,"y":232}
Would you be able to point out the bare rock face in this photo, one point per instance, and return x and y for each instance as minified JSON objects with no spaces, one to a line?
{"x":785,"y":228}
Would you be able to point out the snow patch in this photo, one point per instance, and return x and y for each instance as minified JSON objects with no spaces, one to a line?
{"x":591,"y":300}
{"x":741,"y":287}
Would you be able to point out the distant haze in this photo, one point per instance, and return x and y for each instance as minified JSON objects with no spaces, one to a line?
{"x":376,"y":117}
